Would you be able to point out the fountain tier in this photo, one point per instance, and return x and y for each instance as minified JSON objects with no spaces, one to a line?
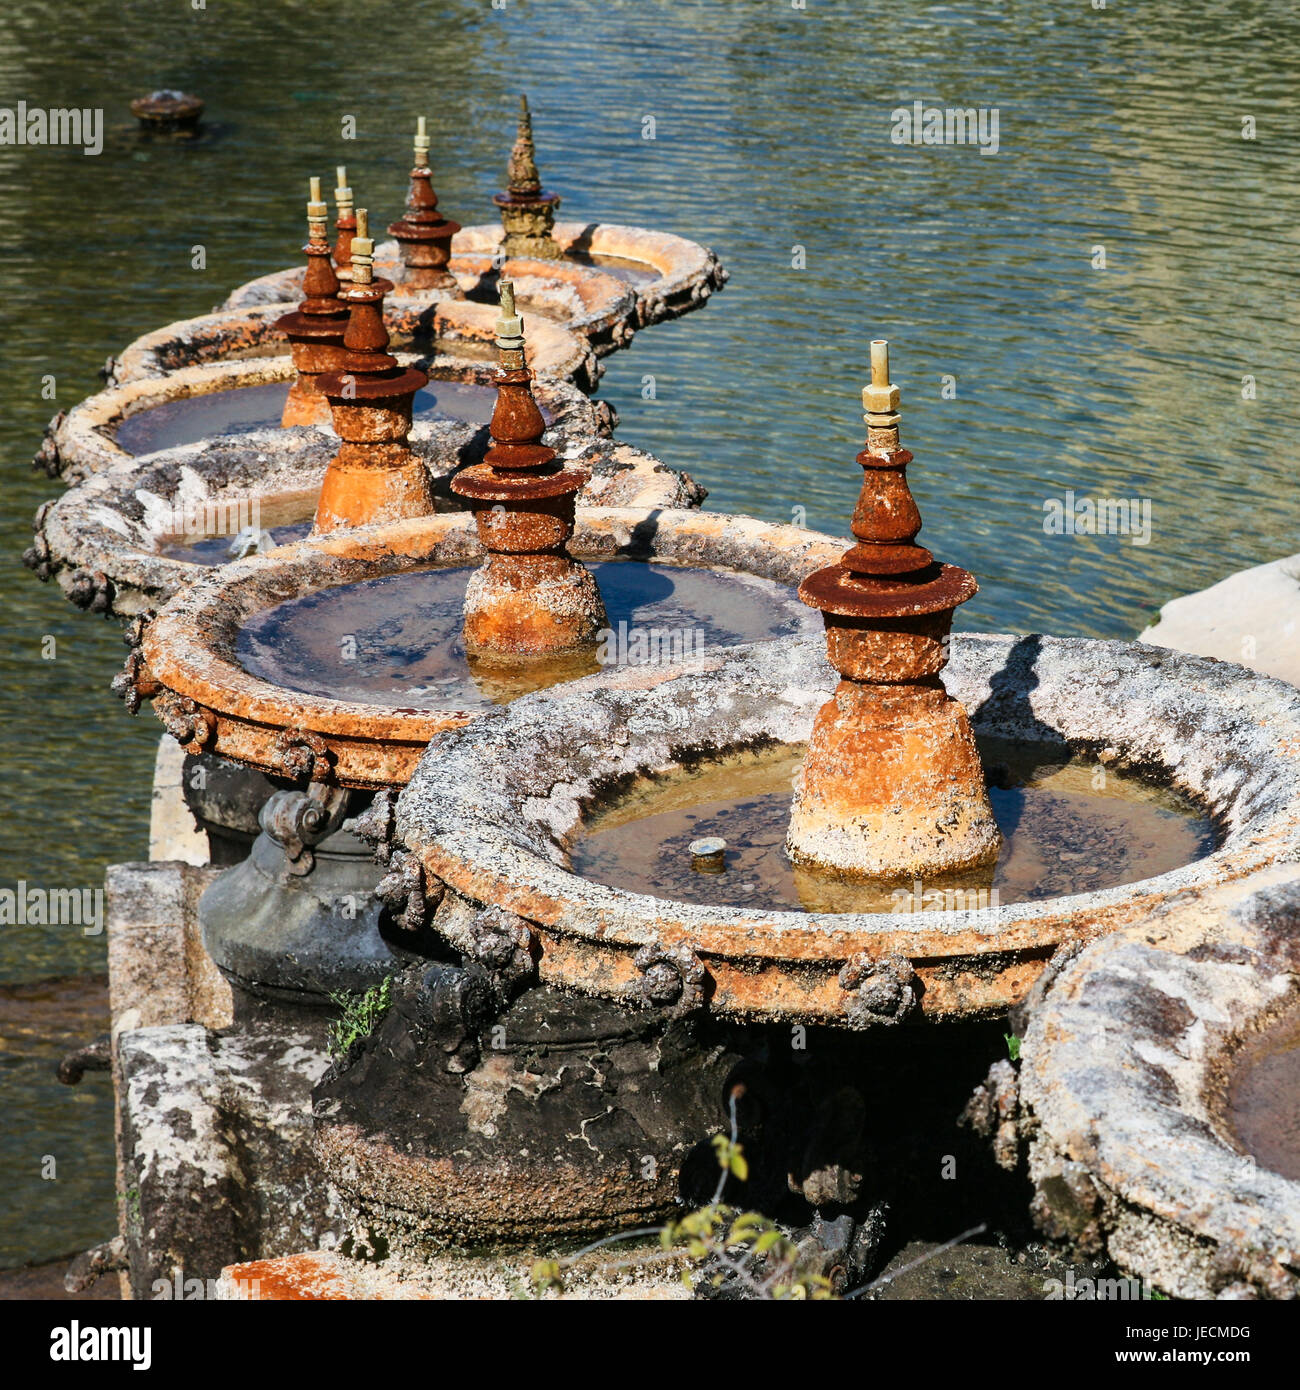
{"x":493,"y":810}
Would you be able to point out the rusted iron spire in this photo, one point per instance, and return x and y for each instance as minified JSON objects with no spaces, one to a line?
{"x":892,"y":785}
{"x":315,"y":330}
{"x":527,"y":211}
{"x":374,"y":476}
{"x":345,"y":225}
{"x":424,"y":234}
{"x":529,"y":598}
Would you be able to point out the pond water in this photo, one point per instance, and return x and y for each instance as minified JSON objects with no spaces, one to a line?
{"x":1027,"y":370}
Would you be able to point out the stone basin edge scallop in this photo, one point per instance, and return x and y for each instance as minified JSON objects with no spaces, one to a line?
{"x":489,"y":811}
{"x":211,"y":704}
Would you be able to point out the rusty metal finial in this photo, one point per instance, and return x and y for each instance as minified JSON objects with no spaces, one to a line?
{"x":892,"y":783}
{"x":527,"y":211}
{"x":374,"y":476}
{"x":521,"y":174}
{"x":424,"y":234}
{"x":510,"y":329}
{"x":345,"y":224}
{"x":530,"y":598}
{"x":316,"y":329}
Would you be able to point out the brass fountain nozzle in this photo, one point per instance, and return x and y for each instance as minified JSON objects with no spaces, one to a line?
{"x":510,"y":325}
{"x":316,"y":211}
{"x":363,"y":250}
{"x":342,"y":193}
{"x":880,"y":398}
{"x":421,"y":143}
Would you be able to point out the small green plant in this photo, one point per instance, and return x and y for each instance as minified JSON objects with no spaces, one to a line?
{"x":742,"y":1245}
{"x":359,"y":1015}
{"x":1013,"y":1046}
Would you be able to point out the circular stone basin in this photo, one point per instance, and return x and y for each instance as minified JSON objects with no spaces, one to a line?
{"x":128,"y":536}
{"x":213,"y":704}
{"x":86,"y":440}
{"x":1158,"y":1088}
{"x":495,"y":812}
{"x":457,"y":329}
{"x":598,"y":308}
{"x":667,"y":275}
{"x":242,"y":410}
{"x":396,"y":641}
{"x":1062,"y":833}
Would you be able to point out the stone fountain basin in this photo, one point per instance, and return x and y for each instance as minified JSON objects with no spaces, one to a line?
{"x":492,"y":809}
{"x":104,"y":545}
{"x":84,"y":440}
{"x":687,"y":274}
{"x":555,"y":348}
{"x":598,"y":308}
{"x":213,"y":705}
{"x":1123,"y":1072}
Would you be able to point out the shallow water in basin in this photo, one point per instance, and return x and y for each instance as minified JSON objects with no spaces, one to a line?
{"x":1068,"y":826}
{"x":243,"y":409}
{"x":395,"y":640}
{"x":1264,"y":1096}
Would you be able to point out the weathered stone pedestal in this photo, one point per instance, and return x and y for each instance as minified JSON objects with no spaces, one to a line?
{"x":527,"y":210}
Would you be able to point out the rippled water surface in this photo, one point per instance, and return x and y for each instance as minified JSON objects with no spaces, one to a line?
{"x":1119,"y":129}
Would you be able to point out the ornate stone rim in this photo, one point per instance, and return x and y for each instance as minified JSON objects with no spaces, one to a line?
{"x":216,"y":706}
{"x":559,"y":351}
{"x":597,"y":308}
{"x":85,"y":437}
{"x":688,"y":273}
{"x":1122,"y":1070}
{"x":491,"y":809}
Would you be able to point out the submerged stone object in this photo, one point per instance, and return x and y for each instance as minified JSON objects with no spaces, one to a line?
{"x":424,"y":234}
{"x":530,"y":598}
{"x":168,"y":112}
{"x":374,"y":476}
{"x":493,"y":811}
{"x":892,"y":783}
{"x":316,"y":329}
{"x":1145,"y":1031}
{"x":527,"y":210}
